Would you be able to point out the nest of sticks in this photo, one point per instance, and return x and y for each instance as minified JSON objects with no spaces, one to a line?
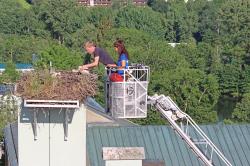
{"x":61,"y":85}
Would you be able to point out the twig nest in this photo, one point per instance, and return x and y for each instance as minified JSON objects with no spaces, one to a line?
{"x":61,"y":85}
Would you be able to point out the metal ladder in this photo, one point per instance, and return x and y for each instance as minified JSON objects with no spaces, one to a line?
{"x":177,"y":118}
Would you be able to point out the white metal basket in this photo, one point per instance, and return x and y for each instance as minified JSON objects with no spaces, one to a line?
{"x":128,"y":99}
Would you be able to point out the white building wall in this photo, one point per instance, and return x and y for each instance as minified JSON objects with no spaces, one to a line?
{"x":33,"y":152}
{"x":73,"y":151}
{"x":50,"y":148}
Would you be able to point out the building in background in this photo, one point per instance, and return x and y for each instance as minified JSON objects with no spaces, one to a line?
{"x":22,"y":67}
{"x":109,"y":2}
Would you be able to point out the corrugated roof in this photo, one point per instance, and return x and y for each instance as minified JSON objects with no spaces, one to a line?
{"x":10,"y":139}
{"x":162,"y":143}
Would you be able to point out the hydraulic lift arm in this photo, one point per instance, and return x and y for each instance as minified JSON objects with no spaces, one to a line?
{"x":181,"y":122}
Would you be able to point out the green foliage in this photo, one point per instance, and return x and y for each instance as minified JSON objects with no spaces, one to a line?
{"x":228,"y":121}
{"x":10,"y":10}
{"x":212,"y":59}
{"x":10,"y":75}
{"x":61,"y":18}
{"x":195,"y":92}
{"x":23,"y":21}
{"x":146,"y":49}
{"x":116,"y":4}
{"x":225,"y":106}
{"x":159,"y":5}
{"x":98,"y":16}
{"x":144,"y":19}
{"x":235,"y":22}
{"x":103,"y":20}
{"x":193,"y":55}
{"x":24,"y":4}
{"x":61,"y":58}
{"x":231,"y":74}
{"x":8,"y":112}
{"x":20,"y":48}
{"x":229,"y":80}
{"x":153,"y":118}
{"x":209,"y":20}
{"x":245,"y":83}
{"x":88,"y":32}
{"x":181,"y":22}
{"x":242,"y":110}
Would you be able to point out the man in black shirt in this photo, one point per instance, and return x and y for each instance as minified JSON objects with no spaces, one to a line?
{"x":100,"y":55}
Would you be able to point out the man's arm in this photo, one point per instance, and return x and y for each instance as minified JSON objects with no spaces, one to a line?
{"x":90,"y":65}
{"x":123,"y":65}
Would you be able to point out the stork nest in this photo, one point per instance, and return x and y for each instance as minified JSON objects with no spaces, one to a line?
{"x":61,"y":85}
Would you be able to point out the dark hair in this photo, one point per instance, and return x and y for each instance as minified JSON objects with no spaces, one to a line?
{"x":121,"y":48}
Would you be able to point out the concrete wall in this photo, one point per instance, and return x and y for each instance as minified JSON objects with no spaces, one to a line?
{"x":123,"y":156}
{"x":50,"y":148}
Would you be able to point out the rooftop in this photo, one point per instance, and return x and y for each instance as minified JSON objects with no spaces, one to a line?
{"x":19,"y":66}
{"x":162,"y":143}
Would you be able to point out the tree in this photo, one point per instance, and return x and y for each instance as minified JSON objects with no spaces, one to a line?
{"x":193,"y":55}
{"x":181,"y":22}
{"x":231,"y":75}
{"x":207,"y":19}
{"x":144,"y":19}
{"x":214,"y":37}
{"x":195,"y":92}
{"x":245,"y":82}
{"x":61,"y":58}
{"x":87,"y":32}
{"x":211,"y":57}
{"x":241,"y":112}
{"x":8,"y":111}
{"x":153,"y":118}
{"x":32,"y":25}
{"x":103,"y":20}
{"x":10,"y":10}
{"x":159,"y":5}
{"x":235,"y":22}
{"x":61,"y":18}
{"x":19,"y":49}
{"x":146,"y":49}
{"x":23,"y":19}
{"x":10,"y":75}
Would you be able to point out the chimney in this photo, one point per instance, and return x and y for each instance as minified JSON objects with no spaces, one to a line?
{"x":123,"y":156}
{"x":52,"y":133}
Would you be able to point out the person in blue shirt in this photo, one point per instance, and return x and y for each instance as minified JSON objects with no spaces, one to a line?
{"x":123,"y":58}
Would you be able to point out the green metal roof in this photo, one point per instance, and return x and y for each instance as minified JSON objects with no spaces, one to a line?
{"x":162,"y":143}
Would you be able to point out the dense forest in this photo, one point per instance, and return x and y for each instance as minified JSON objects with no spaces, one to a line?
{"x":207,"y":73}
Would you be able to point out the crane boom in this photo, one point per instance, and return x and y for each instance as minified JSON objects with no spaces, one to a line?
{"x":177,"y":118}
